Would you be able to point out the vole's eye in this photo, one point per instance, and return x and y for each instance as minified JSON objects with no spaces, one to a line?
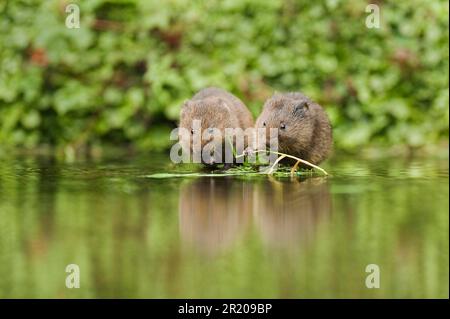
{"x":192,"y":131}
{"x":282,"y":126}
{"x":264,"y":123}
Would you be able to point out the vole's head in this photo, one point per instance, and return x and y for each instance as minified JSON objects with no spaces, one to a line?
{"x":205,"y":120}
{"x":294,"y":119}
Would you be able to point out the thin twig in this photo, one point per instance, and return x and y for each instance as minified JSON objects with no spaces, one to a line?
{"x":294,"y":168}
{"x":270,"y":170}
{"x":299,"y":160}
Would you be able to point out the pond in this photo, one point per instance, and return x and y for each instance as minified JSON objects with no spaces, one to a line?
{"x":134,"y":236}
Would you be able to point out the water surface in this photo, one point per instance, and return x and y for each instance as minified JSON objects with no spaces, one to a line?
{"x":230,"y":236}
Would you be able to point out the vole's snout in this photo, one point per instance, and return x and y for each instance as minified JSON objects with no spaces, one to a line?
{"x":209,"y":155}
{"x":212,"y":160}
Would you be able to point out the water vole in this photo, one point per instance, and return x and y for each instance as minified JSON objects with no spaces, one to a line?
{"x":304,"y":129}
{"x":215,"y":109}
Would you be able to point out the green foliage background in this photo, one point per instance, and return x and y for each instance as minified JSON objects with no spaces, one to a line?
{"x":122,"y":76}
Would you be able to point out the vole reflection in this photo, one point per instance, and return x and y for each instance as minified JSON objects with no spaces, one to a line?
{"x":215,"y":212}
{"x":288,"y":213}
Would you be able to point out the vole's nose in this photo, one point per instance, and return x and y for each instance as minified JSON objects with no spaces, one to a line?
{"x":212,"y":160}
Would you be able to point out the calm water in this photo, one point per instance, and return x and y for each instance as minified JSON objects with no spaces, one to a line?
{"x":135,"y":236}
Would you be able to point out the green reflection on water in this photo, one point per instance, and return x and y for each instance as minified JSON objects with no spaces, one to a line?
{"x":232,"y":236}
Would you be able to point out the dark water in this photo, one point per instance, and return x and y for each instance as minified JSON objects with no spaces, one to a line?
{"x":134,"y":236}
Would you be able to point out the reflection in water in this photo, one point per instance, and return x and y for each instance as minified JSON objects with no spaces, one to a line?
{"x":215,"y":211}
{"x":289,"y":213}
{"x":137,"y":237}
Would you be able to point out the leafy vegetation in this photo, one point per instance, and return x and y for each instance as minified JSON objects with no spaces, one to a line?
{"x":238,"y":171}
{"x":122,"y":76}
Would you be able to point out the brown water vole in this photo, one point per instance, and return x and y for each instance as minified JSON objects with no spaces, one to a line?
{"x":304,"y":129}
{"x":215,"y":109}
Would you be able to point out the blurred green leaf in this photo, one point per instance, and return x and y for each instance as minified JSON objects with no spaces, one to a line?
{"x":123,"y":75}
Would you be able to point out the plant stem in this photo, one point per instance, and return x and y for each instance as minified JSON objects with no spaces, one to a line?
{"x":299,"y":160}
{"x":270,"y":170}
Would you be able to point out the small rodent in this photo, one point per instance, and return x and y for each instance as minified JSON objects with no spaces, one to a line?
{"x":215,"y":108}
{"x":304,"y":129}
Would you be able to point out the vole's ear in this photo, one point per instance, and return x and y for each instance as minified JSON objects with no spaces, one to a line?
{"x":300,"y":108}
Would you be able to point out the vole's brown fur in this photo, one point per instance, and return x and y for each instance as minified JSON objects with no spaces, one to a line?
{"x":304,"y":129}
{"x":215,"y":108}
